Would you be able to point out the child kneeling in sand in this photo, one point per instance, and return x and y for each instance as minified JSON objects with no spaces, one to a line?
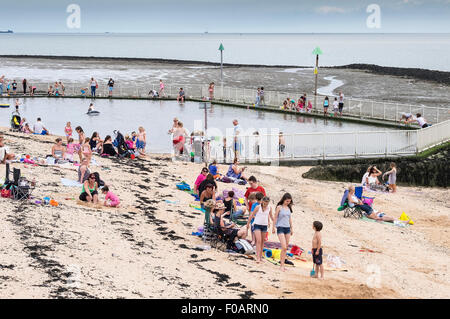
{"x":111,"y":200}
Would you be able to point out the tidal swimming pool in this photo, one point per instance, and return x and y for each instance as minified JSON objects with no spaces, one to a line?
{"x":156,"y":117}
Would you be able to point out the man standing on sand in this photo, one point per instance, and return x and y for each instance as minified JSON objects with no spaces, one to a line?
{"x":237,"y":139}
{"x":341,"y":103}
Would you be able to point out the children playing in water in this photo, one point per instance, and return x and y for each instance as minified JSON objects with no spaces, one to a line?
{"x":111,"y":200}
{"x":316,"y":250}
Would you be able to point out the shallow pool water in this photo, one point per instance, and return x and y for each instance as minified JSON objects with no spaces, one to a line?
{"x":156,"y":117}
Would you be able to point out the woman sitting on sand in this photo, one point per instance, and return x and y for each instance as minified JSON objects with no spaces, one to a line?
{"x":58,"y":150}
{"x":229,"y":229}
{"x":95,"y":142}
{"x":372,"y":178}
{"x":83,"y":171}
{"x":207,"y":194}
{"x":108,"y":148}
{"x":92,"y":195}
{"x":369,"y":212}
{"x":234,"y":171}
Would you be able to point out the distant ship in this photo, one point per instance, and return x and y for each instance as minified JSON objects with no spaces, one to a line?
{"x":9,"y":31}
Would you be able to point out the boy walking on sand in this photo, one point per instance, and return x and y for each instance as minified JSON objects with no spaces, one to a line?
{"x":316,"y":250}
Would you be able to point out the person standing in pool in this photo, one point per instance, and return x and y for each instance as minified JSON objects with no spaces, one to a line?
{"x":326,"y":104}
{"x":211,"y":91}
{"x":24,"y":86}
{"x":161,"y":89}
{"x":94,"y":86}
{"x":14,"y":87}
{"x":341,"y":103}
{"x":262,"y":102}
{"x":2,"y":82}
{"x":110,"y":86}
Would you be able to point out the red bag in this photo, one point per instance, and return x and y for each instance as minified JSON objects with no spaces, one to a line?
{"x":6,"y":193}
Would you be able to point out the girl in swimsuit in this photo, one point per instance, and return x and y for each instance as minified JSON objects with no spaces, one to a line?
{"x":211,"y":90}
{"x":70,"y":149}
{"x":68,"y":131}
{"x":86,"y":149}
{"x":161,"y":88}
{"x":81,"y":139}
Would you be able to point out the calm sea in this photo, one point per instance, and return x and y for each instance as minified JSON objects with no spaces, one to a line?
{"x":429,"y":51}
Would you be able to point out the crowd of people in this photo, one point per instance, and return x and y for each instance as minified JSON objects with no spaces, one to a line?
{"x":260,"y":216}
{"x":303,"y":104}
{"x":10,"y":87}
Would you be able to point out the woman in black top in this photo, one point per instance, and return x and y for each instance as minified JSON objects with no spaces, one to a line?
{"x":108,"y":148}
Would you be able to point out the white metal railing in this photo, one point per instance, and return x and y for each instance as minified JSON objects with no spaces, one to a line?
{"x":330,"y":145}
{"x":273,"y":99}
{"x":433,"y":135}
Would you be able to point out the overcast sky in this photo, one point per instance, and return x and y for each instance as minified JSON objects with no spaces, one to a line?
{"x":260,"y":16}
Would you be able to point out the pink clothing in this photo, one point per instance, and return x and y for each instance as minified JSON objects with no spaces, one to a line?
{"x":199,"y":180}
{"x":70,"y":148}
{"x":114,"y":200}
{"x":68,"y":131}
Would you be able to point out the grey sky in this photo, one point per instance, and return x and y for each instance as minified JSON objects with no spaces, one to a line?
{"x":263,"y":16}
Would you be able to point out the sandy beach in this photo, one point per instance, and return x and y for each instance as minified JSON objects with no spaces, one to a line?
{"x":145,"y":249}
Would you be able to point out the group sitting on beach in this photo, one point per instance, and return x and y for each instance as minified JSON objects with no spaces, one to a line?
{"x":371,"y":181}
{"x":254,"y":209}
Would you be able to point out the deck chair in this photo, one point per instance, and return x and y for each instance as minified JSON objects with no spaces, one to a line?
{"x":241,"y":221}
{"x":352,"y":212}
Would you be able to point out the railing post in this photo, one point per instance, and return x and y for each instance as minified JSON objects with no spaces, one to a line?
{"x":386,"y":145}
{"x":396,"y":112}
{"x":356,"y":145}
{"x":323,"y":145}
{"x":384,"y":110}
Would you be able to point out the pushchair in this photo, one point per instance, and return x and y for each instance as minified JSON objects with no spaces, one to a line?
{"x":15,"y":122}
{"x":121,"y":145}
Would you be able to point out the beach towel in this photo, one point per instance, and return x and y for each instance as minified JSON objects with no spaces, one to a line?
{"x":275,"y":245}
{"x":383,"y":222}
{"x":70,"y":183}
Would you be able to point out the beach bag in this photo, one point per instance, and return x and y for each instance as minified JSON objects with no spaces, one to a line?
{"x":226,"y":179}
{"x":6,"y":193}
{"x":246,"y":246}
{"x":368,"y":201}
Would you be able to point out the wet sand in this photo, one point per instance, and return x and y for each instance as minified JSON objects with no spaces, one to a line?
{"x":142,"y":73}
{"x":145,"y":248}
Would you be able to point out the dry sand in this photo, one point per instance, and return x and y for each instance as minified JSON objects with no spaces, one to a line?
{"x":145,"y":248}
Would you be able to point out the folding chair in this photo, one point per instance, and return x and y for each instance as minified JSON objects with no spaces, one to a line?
{"x":241,"y":221}
{"x":354,"y":211}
